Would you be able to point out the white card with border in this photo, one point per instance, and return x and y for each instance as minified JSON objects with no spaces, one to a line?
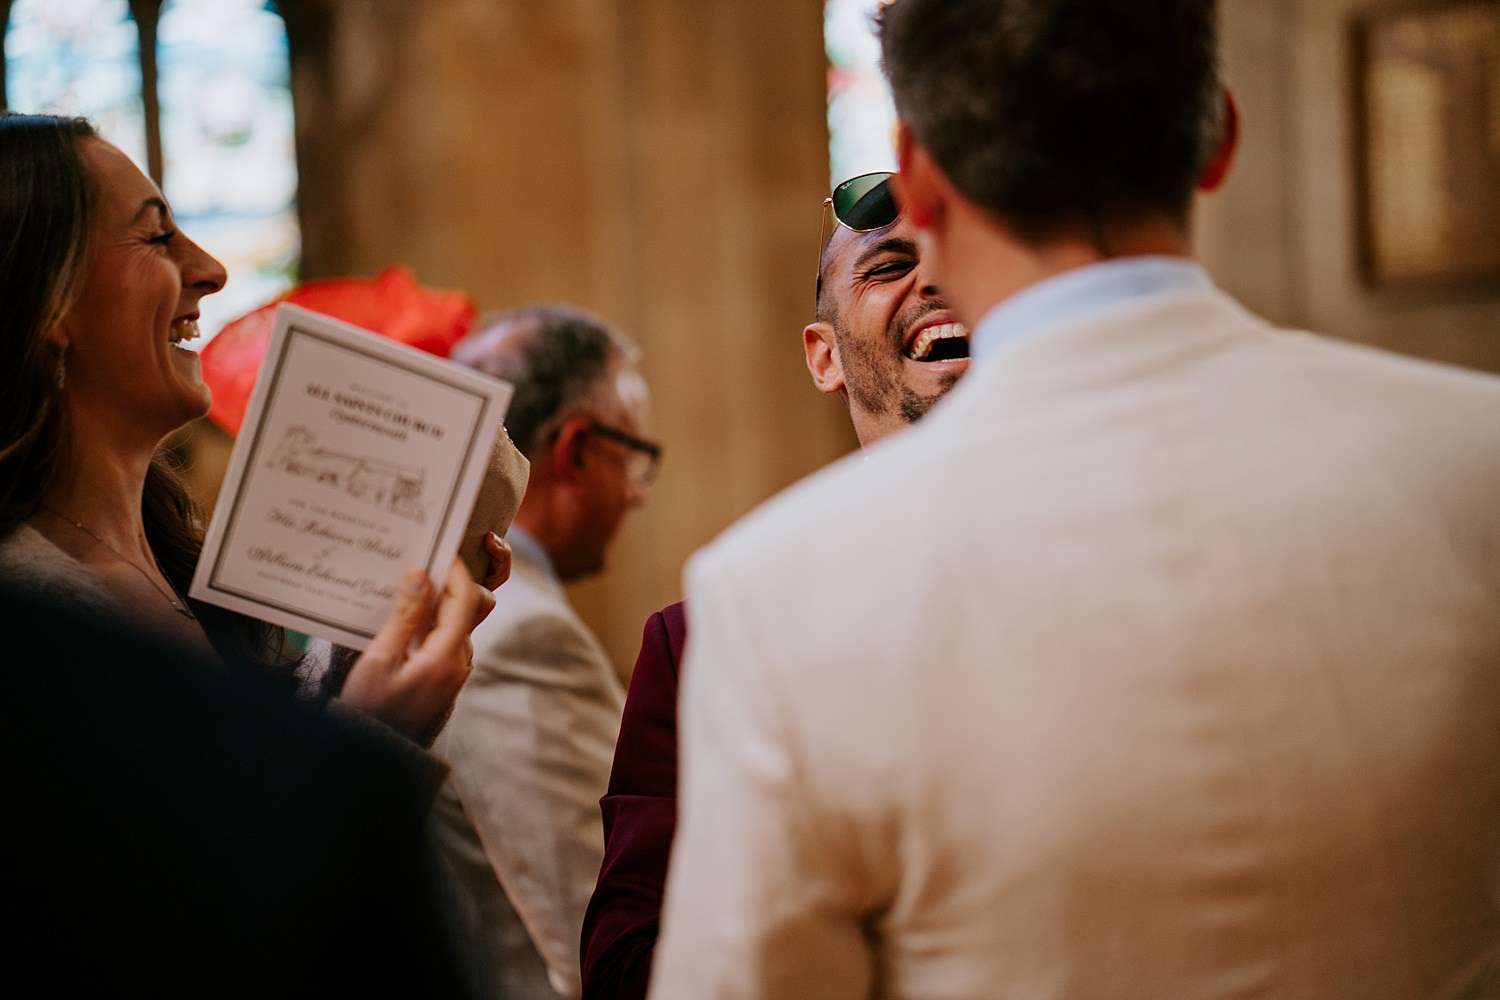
{"x":358,"y":457}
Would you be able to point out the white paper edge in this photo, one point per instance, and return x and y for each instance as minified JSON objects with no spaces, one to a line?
{"x":463,"y":497}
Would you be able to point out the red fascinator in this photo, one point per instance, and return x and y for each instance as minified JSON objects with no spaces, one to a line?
{"x":392,"y":305}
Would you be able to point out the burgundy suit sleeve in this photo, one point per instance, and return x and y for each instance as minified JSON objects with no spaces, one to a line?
{"x":640,"y":817}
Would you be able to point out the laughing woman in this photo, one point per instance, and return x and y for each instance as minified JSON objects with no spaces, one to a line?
{"x":99,"y":290}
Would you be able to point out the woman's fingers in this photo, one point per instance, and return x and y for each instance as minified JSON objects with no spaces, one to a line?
{"x":379,"y":684}
{"x":464,"y":604}
{"x":410,"y":674}
{"x":406,"y":620}
{"x":499,"y":553}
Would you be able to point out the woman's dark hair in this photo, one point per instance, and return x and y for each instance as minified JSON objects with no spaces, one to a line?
{"x":48,"y":198}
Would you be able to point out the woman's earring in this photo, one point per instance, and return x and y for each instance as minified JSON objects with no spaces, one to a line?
{"x":62,"y":366}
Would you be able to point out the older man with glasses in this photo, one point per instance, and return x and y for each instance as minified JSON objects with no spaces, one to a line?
{"x":884,"y":340}
{"x":533,"y":731}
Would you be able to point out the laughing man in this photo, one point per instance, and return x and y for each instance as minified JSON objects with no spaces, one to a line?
{"x":886,"y":342}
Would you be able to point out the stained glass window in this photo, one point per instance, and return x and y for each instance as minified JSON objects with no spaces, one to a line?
{"x":225,"y":123}
{"x":861,"y":116}
{"x":229,"y":167}
{"x":78,"y":57}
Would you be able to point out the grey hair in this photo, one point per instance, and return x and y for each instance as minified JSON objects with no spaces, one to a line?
{"x":558,"y":359}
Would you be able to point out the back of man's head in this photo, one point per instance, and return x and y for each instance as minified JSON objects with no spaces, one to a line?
{"x":1058,"y":115}
{"x":556,"y":356}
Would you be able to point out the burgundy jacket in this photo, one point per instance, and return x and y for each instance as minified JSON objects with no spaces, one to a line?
{"x":640,"y":817}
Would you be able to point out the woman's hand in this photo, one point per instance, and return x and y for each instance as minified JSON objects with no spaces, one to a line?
{"x":410,"y":673}
{"x":499,"y":553}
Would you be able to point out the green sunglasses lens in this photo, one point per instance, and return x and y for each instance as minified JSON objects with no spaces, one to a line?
{"x":865,"y":203}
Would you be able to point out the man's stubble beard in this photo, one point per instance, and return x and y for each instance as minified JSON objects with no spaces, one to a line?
{"x":872,"y":370}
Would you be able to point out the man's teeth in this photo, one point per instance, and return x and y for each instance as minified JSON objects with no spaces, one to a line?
{"x":922,"y":346}
{"x":184,"y":330}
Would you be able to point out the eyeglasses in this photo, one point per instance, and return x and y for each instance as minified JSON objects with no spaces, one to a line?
{"x":645,"y":456}
{"x":861,"y":204}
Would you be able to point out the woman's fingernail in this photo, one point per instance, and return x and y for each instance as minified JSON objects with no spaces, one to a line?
{"x":413,"y":582}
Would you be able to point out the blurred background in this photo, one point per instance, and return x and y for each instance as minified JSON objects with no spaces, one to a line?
{"x":663,"y":162}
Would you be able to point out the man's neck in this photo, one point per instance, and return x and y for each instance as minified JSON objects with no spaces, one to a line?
{"x":982,"y":263}
{"x":535,"y":519}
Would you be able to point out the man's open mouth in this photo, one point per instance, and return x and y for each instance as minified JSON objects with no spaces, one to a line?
{"x":941,"y":342}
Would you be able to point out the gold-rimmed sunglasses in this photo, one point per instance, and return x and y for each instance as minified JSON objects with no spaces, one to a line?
{"x":861,"y":204}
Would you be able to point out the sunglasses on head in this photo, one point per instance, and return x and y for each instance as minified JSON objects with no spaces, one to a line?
{"x":861,"y":204}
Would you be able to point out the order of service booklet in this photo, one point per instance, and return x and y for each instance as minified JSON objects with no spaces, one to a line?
{"x":358,"y":457}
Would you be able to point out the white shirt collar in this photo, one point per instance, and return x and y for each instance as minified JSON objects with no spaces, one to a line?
{"x":528,"y":548}
{"x":1077,"y":293}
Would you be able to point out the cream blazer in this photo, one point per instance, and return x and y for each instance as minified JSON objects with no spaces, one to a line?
{"x":1161,"y":660}
{"x":530,"y":745}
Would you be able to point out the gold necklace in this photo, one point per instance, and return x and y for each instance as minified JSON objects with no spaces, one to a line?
{"x":178,"y":604}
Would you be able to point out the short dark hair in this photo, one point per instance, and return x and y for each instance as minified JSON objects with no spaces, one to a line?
{"x":559,"y":355}
{"x":1059,"y":114}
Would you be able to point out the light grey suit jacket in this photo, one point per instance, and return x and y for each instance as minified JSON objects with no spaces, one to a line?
{"x":530,"y":745}
{"x":1162,"y":660}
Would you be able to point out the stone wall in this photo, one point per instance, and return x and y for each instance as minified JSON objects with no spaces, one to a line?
{"x":659,"y":161}
{"x":1282,"y":234}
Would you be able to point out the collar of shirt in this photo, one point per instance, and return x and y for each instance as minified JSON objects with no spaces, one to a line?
{"x":1075,"y":294}
{"x":527,"y":547}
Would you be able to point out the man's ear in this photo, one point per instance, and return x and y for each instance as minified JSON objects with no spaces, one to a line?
{"x":822,"y":357}
{"x":566,"y":456}
{"x":918,"y":184}
{"x":1217,"y":168}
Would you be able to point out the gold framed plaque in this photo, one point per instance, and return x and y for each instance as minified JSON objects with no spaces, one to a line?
{"x":1427,"y":144}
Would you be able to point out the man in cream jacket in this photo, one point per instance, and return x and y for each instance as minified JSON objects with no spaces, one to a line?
{"x":1161,"y":660}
